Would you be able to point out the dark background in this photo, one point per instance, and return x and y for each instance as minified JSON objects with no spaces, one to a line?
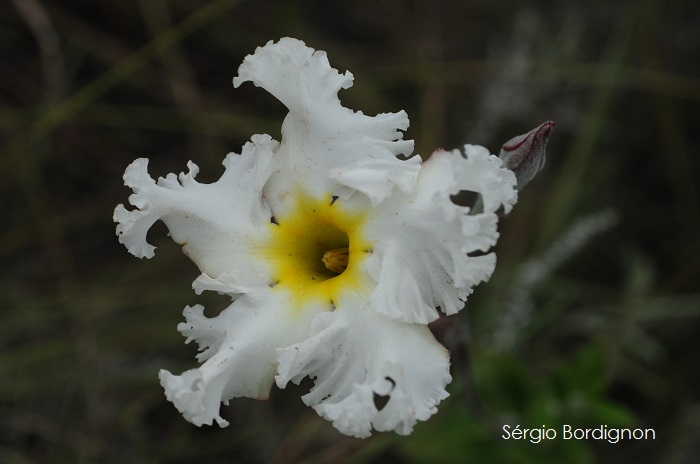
{"x":592,"y":316}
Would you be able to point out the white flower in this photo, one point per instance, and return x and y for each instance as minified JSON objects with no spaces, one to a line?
{"x":336,"y":254}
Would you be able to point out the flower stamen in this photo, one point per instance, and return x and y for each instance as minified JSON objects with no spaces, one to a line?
{"x":336,"y":260}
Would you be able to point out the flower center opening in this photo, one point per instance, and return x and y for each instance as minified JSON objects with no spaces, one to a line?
{"x":315,"y":250}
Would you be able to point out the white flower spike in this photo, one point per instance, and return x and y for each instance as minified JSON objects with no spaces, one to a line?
{"x":335,"y":252}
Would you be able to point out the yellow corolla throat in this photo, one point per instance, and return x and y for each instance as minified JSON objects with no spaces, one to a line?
{"x":316,"y":250}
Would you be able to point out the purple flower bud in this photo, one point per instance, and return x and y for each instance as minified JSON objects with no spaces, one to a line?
{"x":525,"y":154}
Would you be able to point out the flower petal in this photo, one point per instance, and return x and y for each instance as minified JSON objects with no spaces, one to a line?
{"x":358,"y":356}
{"x":215,"y":223}
{"x":421,"y":241}
{"x":239,"y":351}
{"x":324,"y":145}
{"x":486,"y":174}
{"x":231,"y":283}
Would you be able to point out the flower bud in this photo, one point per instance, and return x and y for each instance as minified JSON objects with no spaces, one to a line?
{"x":525,"y":154}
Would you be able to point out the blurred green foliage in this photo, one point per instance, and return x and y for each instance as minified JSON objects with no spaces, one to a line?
{"x":591,"y":318}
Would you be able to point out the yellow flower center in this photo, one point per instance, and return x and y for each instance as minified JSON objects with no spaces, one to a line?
{"x":315,"y":250}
